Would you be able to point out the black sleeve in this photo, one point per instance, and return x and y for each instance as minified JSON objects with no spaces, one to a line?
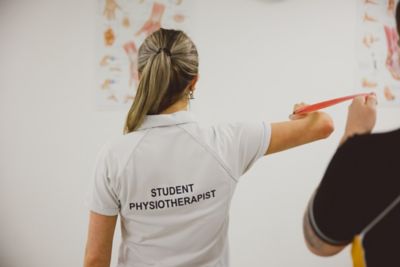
{"x":351,"y":193}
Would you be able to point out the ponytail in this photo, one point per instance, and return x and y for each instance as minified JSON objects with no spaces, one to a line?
{"x":153,"y":85}
{"x":167,"y":64}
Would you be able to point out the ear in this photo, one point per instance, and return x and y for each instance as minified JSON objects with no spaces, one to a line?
{"x":192,"y":85}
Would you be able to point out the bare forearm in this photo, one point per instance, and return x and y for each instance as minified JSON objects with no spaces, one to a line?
{"x":289,"y":134}
{"x":318,"y":126}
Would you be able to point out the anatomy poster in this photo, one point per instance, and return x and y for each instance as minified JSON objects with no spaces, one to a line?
{"x":378,"y":50}
{"x":122,"y":26}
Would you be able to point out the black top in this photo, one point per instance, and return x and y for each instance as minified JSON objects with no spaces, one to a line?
{"x":360,"y":195}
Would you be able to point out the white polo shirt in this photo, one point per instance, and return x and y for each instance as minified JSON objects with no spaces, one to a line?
{"x":172,"y":182}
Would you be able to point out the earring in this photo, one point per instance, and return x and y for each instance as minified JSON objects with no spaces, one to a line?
{"x":191,"y":95}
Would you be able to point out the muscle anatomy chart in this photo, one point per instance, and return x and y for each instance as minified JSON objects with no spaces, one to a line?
{"x":122,"y":25}
{"x":378,"y":51}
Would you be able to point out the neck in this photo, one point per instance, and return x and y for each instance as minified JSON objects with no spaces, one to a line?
{"x":178,"y":106}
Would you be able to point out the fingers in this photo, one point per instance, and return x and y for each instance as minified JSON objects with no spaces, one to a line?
{"x":294,"y":116}
{"x":297,"y":116}
{"x":361,"y":117}
{"x":360,"y":99}
{"x":109,"y":14}
{"x":371,"y":101}
{"x":140,"y":31}
{"x":298,"y":105}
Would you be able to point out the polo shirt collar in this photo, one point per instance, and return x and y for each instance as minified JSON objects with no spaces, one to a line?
{"x":162,"y":120}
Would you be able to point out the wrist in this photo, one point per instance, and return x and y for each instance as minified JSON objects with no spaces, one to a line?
{"x":351,"y":133}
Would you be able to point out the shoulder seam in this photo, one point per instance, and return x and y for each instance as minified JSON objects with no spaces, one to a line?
{"x":213,"y":154}
{"x":131,"y":154}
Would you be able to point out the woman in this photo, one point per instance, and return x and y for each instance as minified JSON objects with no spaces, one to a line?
{"x":170,"y":180}
{"x":357,"y":202}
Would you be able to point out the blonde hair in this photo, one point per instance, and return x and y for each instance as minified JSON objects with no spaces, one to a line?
{"x":167,"y":64}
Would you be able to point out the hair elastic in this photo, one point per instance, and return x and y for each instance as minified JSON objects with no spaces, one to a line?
{"x":165,"y":50}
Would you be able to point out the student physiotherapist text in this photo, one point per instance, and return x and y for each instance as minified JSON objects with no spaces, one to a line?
{"x":172,"y":202}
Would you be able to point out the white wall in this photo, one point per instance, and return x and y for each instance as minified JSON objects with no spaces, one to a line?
{"x":258,"y":58}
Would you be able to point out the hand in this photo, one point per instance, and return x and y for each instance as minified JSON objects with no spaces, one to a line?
{"x":302,"y":129}
{"x":110,"y":8}
{"x":109,"y":37}
{"x":391,"y":6}
{"x":154,"y":22}
{"x":387,"y":92}
{"x":323,"y":120}
{"x":370,"y":2}
{"x":131,"y":51}
{"x":393,"y":53}
{"x":361,"y":117}
{"x":294,"y":116}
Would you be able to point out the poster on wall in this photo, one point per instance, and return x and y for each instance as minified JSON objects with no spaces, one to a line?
{"x":122,"y":26}
{"x":378,"y":50}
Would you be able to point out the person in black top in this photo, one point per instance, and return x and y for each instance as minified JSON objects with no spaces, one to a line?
{"x":358,"y":199}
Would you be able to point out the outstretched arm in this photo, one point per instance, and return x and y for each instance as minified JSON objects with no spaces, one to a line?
{"x":324,"y":232}
{"x":289,"y":134}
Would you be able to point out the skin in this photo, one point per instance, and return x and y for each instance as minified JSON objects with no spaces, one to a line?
{"x":315,"y":244}
{"x":361,"y":119}
{"x":285,"y":135}
{"x":99,"y":240}
{"x":299,"y":130}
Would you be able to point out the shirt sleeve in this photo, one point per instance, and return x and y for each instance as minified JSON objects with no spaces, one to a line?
{"x":102,"y":197}
{"x":344,"y":203}
{"x":242,"y":144}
